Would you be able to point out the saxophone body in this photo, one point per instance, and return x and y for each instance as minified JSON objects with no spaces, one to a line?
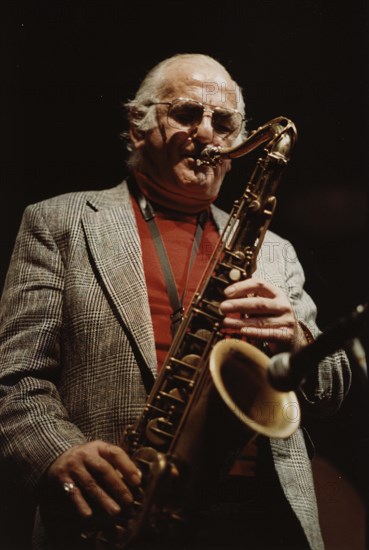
{"x":212,"y":395}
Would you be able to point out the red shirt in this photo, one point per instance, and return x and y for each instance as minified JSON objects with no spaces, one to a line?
{"x":178,"y":232}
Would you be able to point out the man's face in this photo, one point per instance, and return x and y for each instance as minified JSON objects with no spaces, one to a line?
{"x":169,"y":153}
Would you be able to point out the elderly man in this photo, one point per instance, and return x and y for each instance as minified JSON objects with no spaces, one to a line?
{"x":87,"y":320}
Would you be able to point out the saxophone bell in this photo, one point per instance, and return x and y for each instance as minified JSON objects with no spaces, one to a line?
{"x":240,"y":375}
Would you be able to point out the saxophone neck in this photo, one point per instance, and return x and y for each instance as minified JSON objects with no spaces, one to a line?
{"x":280,"y":133}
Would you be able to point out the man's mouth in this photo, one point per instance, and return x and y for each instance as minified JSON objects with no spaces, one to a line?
{"x":194,"y":158}
{"x":192,"y":155}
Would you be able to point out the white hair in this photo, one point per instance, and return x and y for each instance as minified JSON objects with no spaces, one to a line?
{"x":140,"y":109}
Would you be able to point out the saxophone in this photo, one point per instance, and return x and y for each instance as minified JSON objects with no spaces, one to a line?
{"x":212,"y":395}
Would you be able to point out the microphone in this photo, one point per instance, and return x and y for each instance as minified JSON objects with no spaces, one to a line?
{"x":286,"y":371}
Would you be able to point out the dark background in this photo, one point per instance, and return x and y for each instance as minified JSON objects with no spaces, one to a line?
{"x":66,"y":67}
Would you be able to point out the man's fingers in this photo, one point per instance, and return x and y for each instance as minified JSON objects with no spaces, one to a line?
{"x":259,"y":322}
{"x":110,"y":479}
{"x":268,"y":334}
{"x":121,"y":461}
{"x":257,"y":307}
{"x":76,"y":498}
{"x":95,"y":473}
{"x":250,"y":286}
{"x":252,"y":305}
{"x":95,"y":493}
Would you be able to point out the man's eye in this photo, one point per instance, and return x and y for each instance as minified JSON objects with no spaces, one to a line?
{"x":185,"y":115}
{"x":224,"y":123}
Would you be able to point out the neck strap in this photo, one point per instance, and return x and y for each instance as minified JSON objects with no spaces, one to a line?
{"x":148,"y":215}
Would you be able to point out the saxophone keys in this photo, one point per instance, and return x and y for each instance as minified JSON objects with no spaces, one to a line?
{"x":235,"y":275}
{"x":255,"y":205}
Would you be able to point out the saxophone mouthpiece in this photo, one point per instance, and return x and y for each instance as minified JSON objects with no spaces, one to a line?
{"x":210,"y":156}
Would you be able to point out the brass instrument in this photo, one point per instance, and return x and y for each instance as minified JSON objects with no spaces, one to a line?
{"x":212,"y":394}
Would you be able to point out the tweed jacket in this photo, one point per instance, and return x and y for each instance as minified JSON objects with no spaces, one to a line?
{"x":77,"y":345}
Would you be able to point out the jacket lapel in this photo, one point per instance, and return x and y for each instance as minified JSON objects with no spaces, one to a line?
{"x":114,"y":245}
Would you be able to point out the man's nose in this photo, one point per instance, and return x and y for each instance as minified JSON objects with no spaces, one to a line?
{"x":204,"y":130}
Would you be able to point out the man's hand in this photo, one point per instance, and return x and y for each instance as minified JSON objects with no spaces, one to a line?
{"x":93,"y":475}
{"x":265,"y":313}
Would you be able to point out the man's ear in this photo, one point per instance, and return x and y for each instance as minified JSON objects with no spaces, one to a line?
{"x":137,"y":136}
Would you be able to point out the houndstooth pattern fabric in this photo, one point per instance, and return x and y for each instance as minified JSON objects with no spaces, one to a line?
{"x":77,"y":345}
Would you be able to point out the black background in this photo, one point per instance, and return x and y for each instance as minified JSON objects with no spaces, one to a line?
{"x":66,"y":67}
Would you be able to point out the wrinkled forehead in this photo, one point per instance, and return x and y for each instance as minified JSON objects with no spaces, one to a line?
{"x":204,"y":82}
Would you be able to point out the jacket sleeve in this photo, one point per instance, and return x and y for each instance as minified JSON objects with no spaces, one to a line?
{"x":34,"y":424}
{"x":325,"y":389}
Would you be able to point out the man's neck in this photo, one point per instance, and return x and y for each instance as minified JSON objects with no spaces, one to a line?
{"x":166,"y":202}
